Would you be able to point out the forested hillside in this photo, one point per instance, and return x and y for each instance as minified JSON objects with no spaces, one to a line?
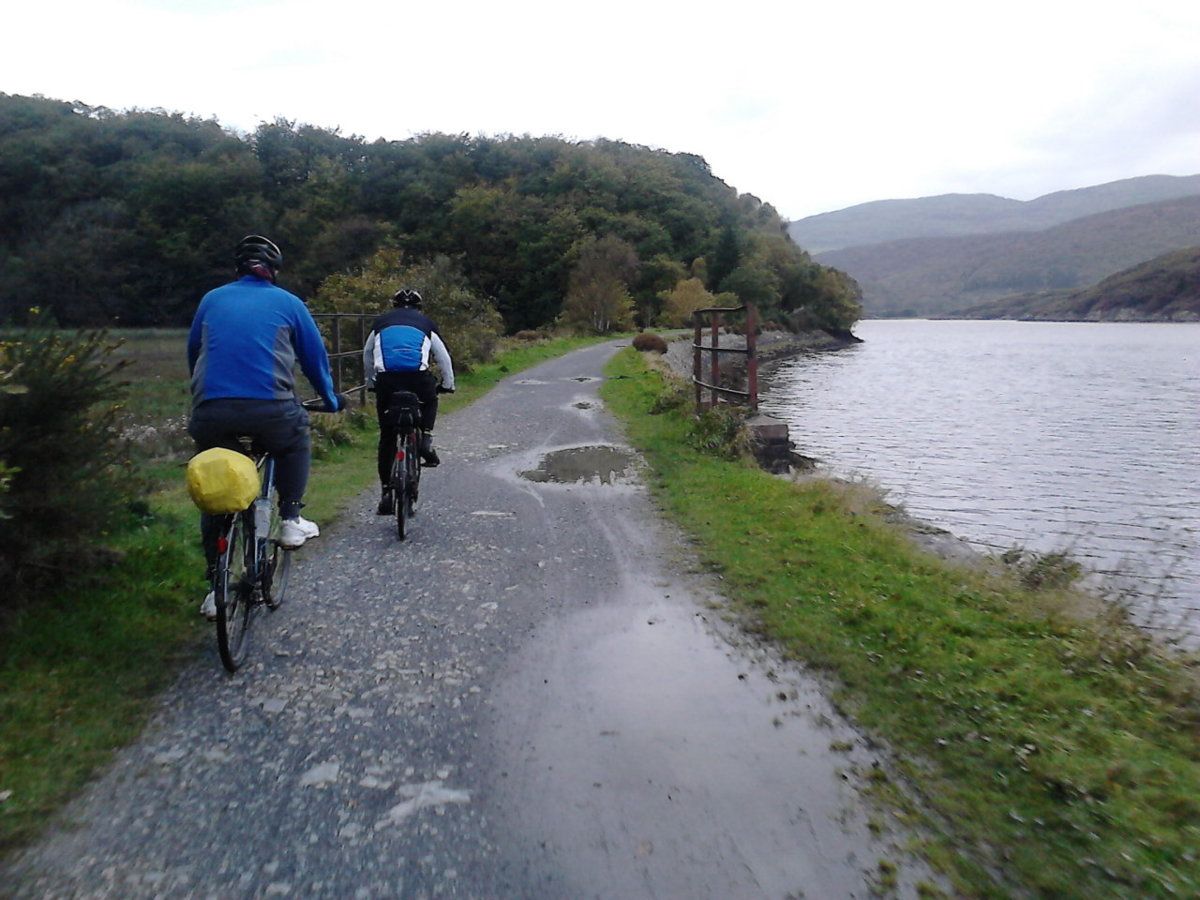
{"x":943,"y":276}
{"x":958,"y":215}
{"x":1164,"y":289}
{"x":128,"y":218}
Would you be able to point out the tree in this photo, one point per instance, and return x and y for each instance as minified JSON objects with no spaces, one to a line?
{"x":726,"y":257}
{"x":682,"y":300}
{"x":754,"y":282}
{"x":598,"y":298}
{"x":656,"y":278}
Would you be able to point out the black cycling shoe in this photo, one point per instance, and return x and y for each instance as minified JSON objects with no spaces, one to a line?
{"x":429,"y":457}
{"x":385,"y":507}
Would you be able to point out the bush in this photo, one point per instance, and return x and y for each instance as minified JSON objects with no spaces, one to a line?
{"x":467,"y":322}
{"x":647,"y":342}
{"x":720,"y":431}
{"x":528,"y":334}
{"x":341,"y":429}
{"x":61,"y":451}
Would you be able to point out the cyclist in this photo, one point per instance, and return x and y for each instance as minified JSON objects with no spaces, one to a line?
{"x":396,"y":358}
{"x":243,"y":345}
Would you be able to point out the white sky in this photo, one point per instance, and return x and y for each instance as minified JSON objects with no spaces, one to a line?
{"x":810,"y":106}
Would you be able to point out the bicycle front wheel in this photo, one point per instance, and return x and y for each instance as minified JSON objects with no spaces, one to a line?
{"x":275,"y":583}
{"x":234,"y":595}
{"x":277,"y":562}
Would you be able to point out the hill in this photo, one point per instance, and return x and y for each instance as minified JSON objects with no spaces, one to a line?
{"x":1164,"y":289}
{"x":128,"y":217}
{"x":943,"y":276}
{"x":956,"y":215}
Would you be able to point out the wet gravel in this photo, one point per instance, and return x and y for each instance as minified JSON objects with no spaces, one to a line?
{"x":535,"y":695}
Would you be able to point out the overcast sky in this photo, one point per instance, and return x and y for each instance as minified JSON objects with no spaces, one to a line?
{"x":810,"y":106}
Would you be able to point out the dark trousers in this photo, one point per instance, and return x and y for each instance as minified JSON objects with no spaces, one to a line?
{"x":278,"y":426}
{"x":424,"y":385}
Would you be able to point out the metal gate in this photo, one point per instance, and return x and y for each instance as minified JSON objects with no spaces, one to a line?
{"x":717,"y":393}
{"x":341,"y":329}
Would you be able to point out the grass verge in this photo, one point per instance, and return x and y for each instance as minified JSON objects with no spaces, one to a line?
{"x":1050,"y":753}
{"x":78,"y":670}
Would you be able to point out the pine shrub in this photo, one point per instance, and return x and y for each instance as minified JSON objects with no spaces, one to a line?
{"x":65,"y":463}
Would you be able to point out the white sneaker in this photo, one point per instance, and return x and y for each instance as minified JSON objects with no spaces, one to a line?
{"x":296,"y":531}
{"x":208,"y":608}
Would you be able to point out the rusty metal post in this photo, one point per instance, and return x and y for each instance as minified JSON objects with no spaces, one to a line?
{"x":752,"y":355}
{"x":362,"y":342}
{"x":337,"y":354}
{"x":716,"y":364}
{"x":697,"y":363}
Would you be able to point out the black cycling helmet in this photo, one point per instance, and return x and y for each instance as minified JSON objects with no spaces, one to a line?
{"x":256,"y":249}
{"x":407,"y":297}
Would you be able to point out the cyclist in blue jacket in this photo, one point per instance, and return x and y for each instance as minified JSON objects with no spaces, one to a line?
{"x":396,"y":358}
{"x":244,"y":343}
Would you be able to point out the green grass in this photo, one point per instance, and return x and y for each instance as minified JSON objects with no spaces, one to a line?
{"x":78,"y":672}
{"x":1050,"y":751}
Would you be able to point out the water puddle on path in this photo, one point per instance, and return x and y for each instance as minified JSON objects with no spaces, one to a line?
{"x":582,"y":464}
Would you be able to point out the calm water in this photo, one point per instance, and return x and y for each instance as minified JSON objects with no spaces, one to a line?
{"x":1077,"y":437}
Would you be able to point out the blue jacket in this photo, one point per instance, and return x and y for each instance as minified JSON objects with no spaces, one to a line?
{"x":401,"y":341}
{"x":246,"y":339}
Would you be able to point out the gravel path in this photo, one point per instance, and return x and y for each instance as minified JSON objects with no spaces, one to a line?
{"x":533,"y":696}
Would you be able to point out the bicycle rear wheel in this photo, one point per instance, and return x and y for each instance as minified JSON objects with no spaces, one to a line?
{"x":234,"y":595}
{"x":413,"y":461}
{"x":400,"y":490}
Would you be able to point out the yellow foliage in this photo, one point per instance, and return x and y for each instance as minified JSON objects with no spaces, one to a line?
{"x":684,"y":299}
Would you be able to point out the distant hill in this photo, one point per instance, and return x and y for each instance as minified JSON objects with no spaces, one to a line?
{"x":943,"y":276}
{"x":956,"y":215}
{"x":1164,"y":289}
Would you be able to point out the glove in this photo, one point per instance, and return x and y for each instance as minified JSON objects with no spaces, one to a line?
{"x":340,"y":402}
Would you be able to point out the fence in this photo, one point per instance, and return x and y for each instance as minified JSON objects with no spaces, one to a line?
{"x":346,"y":364}
{"x":750,"y":395}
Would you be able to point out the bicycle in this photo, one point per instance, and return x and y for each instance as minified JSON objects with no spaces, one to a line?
{"x":404,"y":484}
{"x":252,"y":565}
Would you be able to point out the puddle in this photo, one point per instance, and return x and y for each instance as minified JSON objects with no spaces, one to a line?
{"x":585,"y":378}
{"x":529,"y":381}
{"x":582,"y":464}
{"x":582,"y":405}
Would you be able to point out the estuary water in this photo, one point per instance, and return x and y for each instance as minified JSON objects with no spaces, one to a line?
{"x":1075,"y":437}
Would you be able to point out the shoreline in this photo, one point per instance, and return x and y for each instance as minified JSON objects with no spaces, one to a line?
{"x":926,"y":536}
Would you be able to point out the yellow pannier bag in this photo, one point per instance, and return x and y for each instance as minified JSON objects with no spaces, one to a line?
{"x":222,"y":481}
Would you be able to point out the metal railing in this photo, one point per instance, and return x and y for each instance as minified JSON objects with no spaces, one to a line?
{"x":346,"y":365}
{"x":717,"y":392}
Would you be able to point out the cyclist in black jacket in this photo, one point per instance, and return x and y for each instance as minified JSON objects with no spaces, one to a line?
{"x":396,"y":358}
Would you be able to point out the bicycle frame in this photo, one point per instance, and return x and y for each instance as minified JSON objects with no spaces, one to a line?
{"x":256,"y":520}
{"x":250,"y":572}
{"x":406,"y":468}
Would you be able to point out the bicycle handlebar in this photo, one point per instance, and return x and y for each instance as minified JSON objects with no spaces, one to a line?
{"x":316,"y":404}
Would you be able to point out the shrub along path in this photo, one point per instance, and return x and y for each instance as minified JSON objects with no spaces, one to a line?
{"x":526,"y":698}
